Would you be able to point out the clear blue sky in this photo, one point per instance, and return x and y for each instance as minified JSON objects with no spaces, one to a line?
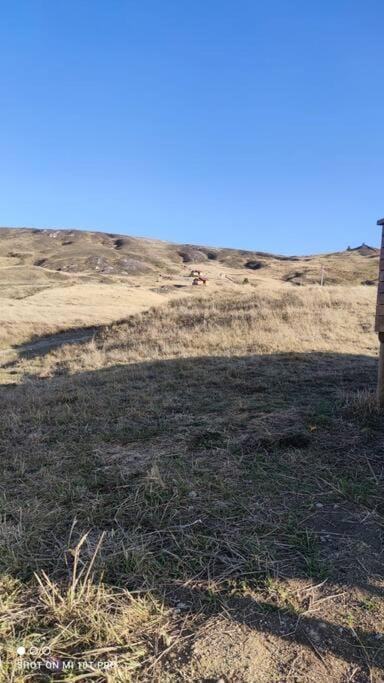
{"x":249,"y":123}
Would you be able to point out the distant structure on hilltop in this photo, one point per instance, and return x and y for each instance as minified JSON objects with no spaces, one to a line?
{"x":364,"y":249}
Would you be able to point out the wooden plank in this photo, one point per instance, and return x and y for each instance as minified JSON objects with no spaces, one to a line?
{"x":380,"y":378}
{"x":379,"y":323}
{"x":379,"y":319}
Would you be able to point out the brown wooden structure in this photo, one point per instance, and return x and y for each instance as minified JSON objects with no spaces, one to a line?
{"x":379,"y":322}
{"x":201,"y":280}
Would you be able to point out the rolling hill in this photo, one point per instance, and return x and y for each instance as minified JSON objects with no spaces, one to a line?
{"x":192,"y":477}
{"x":95,"y":253}
{"x":57,"y":280}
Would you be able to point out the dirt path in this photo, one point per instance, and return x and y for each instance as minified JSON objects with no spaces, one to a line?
{"x":50,"y":342}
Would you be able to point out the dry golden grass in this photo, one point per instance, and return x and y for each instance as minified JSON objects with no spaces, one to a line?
{"x":73,"y":306}
{"x":185,"y":495}
{"x":226,"y":323}
{"x":55,"y":280}
{"x":195,"y":492}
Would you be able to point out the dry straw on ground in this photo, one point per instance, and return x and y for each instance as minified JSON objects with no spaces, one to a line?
{"x":196,"y":493}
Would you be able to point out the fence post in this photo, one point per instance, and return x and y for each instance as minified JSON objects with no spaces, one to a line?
{"x":379,"y":323}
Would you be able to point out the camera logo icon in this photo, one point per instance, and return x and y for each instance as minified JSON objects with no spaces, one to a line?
{"x":33,"y":651}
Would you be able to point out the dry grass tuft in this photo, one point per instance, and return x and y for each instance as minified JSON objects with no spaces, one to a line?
{"x":79,"y":629}
{"x":362,"y":403}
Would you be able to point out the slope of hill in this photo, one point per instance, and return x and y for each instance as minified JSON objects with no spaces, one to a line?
{"x":55,"y":280}
{"x":74,"y":251}
{"x":196,"y":493}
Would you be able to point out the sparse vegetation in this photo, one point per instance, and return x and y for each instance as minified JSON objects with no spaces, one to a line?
{"x":196,"y":492}
{"x":55,"y":280}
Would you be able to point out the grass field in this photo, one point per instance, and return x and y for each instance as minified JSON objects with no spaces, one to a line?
{"x":195,"y":493}
{"x":59,"y":280}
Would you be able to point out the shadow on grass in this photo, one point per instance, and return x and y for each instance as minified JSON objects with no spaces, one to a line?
{"x":228,"y":485}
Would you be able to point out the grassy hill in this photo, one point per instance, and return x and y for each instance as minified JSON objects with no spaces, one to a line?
{"x":56,"y":280}
{"x":194,"y":493}
{"x":74,"y":251}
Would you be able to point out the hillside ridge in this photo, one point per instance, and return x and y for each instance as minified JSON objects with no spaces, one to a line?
{"x":77,"y":251}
